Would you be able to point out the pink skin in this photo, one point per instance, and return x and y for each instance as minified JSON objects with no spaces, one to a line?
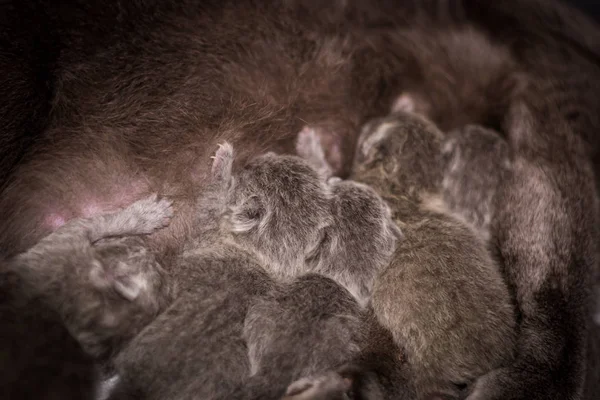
{"x":90,"y":209}
{"x":54,"y":221}
{"x":404,"y":102}
{"x":330,"y":143}
{"x":123,"y":196}
{"x":334,"y":154}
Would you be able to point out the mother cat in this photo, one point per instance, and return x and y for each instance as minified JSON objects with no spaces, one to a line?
{"x":106,"y":103}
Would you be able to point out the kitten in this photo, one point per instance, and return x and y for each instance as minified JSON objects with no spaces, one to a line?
{"x":545,"y":231}
{"x":103,"y":281}
{"x":476,"y":161}
{"x":283,"y":208}
{"x":252,"y":312}
{"x":442,"y":296}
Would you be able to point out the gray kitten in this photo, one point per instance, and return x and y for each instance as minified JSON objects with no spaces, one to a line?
{"x":336,"y":229}
{"x":442,"y":296}
{"x":310,"y":326}
{"x":545,"y":229}
{"x":363,"y":235}
{"x":195,"y":348}
{"x":476,"y":161}
{"x":283,"y":208}
{"x":106,"y":288}
{"x":254,"y":328}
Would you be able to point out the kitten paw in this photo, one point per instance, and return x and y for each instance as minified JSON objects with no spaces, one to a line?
{"x":150,"y":213}
{"x":331,"y":386}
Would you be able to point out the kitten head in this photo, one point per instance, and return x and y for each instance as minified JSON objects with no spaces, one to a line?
{"x":402,"y":150}
{"x":133,"y":271}
{"x":361,"y":240}
{"x":276,"y":206}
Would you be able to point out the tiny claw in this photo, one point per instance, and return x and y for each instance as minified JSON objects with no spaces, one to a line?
{"x":153,"y":197}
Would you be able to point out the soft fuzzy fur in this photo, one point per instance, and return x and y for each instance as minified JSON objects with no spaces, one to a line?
{"x":127,"y":95}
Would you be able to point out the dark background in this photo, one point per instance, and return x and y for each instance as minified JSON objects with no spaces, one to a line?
{"x":591,"y":7}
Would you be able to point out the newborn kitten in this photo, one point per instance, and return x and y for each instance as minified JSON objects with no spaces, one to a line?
{"x":106,"y":288}
{"x":442,"y":296}
{"x":195,"y":348}
{"x":283,"y":208}
{"x":252,"y":332}
{"x":363,"y":235}
{"x":311,"y":325}
{"x":338,"y":229}
{"x":545,"y":232}
{"x":476,"y":161}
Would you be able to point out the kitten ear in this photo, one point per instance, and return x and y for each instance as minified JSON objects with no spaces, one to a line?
{"x":248,"y":215}
{"x":396,"y":231}
{"x":309,"y":147}
{"x":372,"y":141}
{"x":519,"y":123}
{"x":222,"y":163}
{"x":405,"y":102}
{"x":127,"y":287}
{"x":321,"y":249}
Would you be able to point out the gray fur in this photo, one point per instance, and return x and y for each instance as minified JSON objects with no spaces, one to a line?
{"x":476,"y":161}
{"x":105,"y":287}
{"x":311,"y":326}
{"x":362,"y":237}
{"x":379,"y":372}
{"x":545,"y":230}
{"x":442,"y":296}
{"x":144,"y":88}
{"x":243,"y":326}
{"x":360,"y":242}
{"x":284,"y":209}
{"x":278,"y":207}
